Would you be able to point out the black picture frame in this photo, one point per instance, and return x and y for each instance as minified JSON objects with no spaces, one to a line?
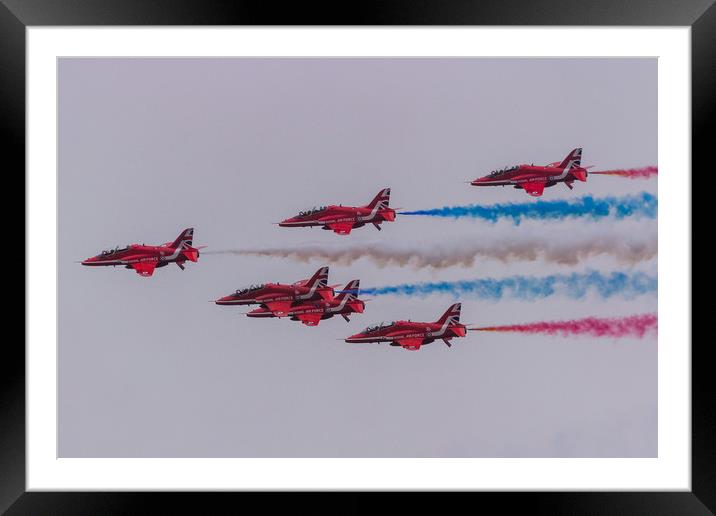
{"x":16,"y":15}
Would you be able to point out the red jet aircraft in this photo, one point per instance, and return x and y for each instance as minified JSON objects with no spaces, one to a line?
{"x":279,"y":297}
{"x":533,"y":179}
{"x":342,"y":219}
{"x":145,"y":258}
{"x":311,"y":313}
{"x":411,"y":335}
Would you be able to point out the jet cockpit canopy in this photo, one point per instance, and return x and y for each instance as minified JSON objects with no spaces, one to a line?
{"x":376,"y":327}
{"x":503,"y":170}
{"x":311,"y":211}
{"x":250,"y":288}
{"x":117,"y":249}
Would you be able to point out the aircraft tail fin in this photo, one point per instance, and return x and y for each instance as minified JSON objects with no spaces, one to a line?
{"x":184,"y":240}
{"x":452,"y":314}
{"x":382,"y":200}
{"x":320,"y":278}
{"x":573,"y":159}
{"x":350,"y":292}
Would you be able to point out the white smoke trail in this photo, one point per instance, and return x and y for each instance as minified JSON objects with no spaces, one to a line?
{"x":631,"y":250}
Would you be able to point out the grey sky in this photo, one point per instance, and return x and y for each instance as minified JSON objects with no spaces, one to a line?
{"x":150,"y":368}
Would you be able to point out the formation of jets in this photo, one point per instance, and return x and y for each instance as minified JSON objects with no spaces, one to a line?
{"x":312,"y":300}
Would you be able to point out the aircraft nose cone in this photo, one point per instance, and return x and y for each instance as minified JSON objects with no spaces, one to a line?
{"x":352,"y":338}
{"x":89,"y":261}
{"x":224,"y":300}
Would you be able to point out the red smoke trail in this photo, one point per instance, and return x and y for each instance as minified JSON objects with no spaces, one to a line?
{"x":631,"y":173}
{"x":633,"y":326}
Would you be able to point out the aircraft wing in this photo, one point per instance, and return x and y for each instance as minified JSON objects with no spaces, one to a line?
{"x":410,"y":344}
{"x":534,"y":188}
{"x":342,"y":228}
{"x":311,"y":319}
{"x":278,"y":308}
{"x":145,"y":269}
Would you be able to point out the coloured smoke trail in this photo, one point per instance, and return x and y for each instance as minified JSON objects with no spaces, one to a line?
{"x":636,"y":326}
{"x":588,"y":207}
{"x":530,"y":288}
{"x":639,"y":246}
{"x":630,"y":173}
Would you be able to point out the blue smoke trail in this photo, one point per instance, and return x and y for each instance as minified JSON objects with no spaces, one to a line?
{"x":639,"y":205}
{"x":530,"y":288}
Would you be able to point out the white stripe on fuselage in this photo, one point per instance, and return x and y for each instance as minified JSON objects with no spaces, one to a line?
{"x":548,"y":178}
{"x":160,"y":257}
{"x":310,"y":292}
{"x":341,"y":305}
{"x":559,"y":177}
{"x":172,"y":256}
{"x":429,"y":334}
{"x":329,"y":309}
{"x":357,"y":218}
{"x":308,"y":295}
{"x":379,"y":205}
{"x":438,"y":333}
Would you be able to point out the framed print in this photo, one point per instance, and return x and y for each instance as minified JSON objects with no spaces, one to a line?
{"x":223,"y":204}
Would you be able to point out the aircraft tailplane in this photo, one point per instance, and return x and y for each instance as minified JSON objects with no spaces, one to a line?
{"x":191,"y":254}
{"x":580,"y":174}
